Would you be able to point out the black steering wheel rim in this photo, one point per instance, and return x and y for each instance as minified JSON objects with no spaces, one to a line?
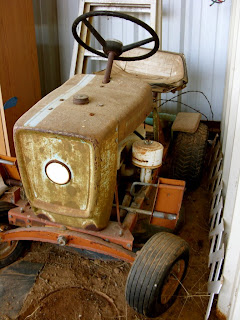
{"x":83,"y":18}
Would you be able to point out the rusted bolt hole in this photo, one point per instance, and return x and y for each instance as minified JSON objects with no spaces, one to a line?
{"x":92,"y":114}
{"x":62,"y":99}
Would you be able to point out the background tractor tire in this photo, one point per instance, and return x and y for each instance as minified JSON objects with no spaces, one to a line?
{"x":189,"y":152}
{"x":9,"y":251}
{"x":4,"y":208}
{"x":154,"y":279}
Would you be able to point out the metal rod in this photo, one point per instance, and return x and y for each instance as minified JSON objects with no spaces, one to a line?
{"x":155,"y":118}
{"x":117,"y":206}
{"x":156,"y":214}
{"x":154,"y":202}
{"x":107,"y":74}
{"x":14,"y":182}
{"x":10,"y":163}
{"x":132,"y":190}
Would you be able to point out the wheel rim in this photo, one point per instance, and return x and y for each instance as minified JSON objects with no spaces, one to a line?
{"x":6,"y":248}
{"x":172,"y":281}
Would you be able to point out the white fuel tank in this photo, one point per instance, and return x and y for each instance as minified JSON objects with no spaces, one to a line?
{"x":147,"y":154}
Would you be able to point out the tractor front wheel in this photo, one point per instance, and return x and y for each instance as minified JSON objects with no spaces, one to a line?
{"x":156,"y":274}
{"x":11,"y":250}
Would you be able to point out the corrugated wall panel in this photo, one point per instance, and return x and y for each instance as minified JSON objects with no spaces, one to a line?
{"x":46,"y":29}
{"x":191,"y":27}
{"x":67,"y":12}
{"x":201,"y":33}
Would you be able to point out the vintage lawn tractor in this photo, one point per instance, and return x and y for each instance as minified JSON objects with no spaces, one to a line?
{"x":82,"y":144}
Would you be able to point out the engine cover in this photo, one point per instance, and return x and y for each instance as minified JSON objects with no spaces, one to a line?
{"x":67,"y":153}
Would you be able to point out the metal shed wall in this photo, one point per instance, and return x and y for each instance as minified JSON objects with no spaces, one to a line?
{"x":201,"y":33}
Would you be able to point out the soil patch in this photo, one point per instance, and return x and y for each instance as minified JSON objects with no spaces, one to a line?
{"x":72,"y":287}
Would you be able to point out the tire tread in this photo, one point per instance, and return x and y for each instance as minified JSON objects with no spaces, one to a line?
{"x":188,"y":156}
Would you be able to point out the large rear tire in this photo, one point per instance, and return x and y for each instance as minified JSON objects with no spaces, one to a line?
{"x":155,"y":277}
{"x":189,"y":152}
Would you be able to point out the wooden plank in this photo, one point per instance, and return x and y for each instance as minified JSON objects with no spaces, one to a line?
{"x":19,"y":75}
{"x":75,"y":44}
{"x":4,"y":143}
{"x":84,"y":34}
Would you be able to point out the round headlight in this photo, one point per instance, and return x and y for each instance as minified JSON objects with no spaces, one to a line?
{"x":58,"y":172}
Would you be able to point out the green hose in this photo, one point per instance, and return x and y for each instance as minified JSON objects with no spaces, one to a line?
{"x":163,"y":116}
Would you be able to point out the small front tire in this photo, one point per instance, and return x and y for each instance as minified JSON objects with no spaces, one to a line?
{"x":156,"y":274}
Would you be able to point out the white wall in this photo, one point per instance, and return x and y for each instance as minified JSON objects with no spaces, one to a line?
{"x":67,"y":11}
{"x":201,"y":33}
{"x":191,"y":27}
{"x":229,"y":298}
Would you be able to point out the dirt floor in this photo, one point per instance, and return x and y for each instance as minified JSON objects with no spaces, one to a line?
{"x":72,"y":287}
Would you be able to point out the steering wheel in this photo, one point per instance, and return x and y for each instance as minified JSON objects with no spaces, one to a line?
{"x":114,"y":45}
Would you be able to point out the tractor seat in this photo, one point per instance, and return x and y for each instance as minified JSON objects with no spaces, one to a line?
{"x":164,"y":71}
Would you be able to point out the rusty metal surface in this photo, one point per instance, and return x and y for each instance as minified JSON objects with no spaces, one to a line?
{"x":13,"y":195}
{"x":155,"y":199}
{"x":69,"y":238}
{"x":80,"y":99}
{"x":126,"y":202}
{"x":156,"y":120}
{"x":85,"y":139}
{"x":122,"y":103}
{"x":156,"y":214}
{"x":131,"y":218}
{"x":107,"y":74}
{"x":85,"y":201}
{"x":117,"y":206}
{"x":169,"y":200}
{"x":147,"y":154}
{"x":24,"y":217}
{"x":170,"y":194}
{"x":13,"y":182}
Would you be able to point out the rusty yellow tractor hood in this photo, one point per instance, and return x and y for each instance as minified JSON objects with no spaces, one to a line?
{"x":83,"y":139}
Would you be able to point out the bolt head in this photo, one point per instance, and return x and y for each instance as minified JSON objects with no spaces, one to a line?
{"x":80,"y":99}
{"x":148,"y":142}
{"x":61,"y":240}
